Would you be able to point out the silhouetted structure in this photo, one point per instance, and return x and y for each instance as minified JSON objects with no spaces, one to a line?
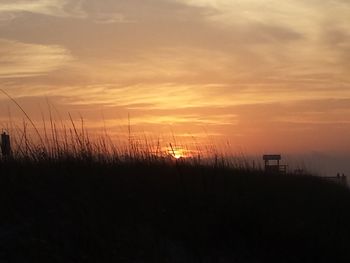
{"x":5,"y":144}
{"x":272,"y":164}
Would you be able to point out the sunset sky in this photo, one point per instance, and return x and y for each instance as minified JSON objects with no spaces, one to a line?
{"x":265,"y":76}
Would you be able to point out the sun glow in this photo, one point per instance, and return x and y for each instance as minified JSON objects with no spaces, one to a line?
{"x":177,"y":152}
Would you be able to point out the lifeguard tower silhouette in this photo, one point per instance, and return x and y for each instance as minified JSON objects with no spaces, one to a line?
{"x":272,"y":164}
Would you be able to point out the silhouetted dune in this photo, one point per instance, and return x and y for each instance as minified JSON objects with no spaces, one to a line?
{"x":143,"y":212}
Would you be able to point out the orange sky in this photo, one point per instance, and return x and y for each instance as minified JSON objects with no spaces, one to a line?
{"x":265,"y":76}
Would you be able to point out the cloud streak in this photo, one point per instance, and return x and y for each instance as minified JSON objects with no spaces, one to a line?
{"x":58,"y":8}
{"x":10,"y":10}
{"x":26,"y":60}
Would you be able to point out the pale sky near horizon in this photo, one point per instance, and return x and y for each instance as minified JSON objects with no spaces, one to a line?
{"x":267,"y":76}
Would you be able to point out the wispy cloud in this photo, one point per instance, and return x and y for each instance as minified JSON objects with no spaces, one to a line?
{"x":110,"y":18}
{"x":23,"y":60}
{"x":59,"y":8}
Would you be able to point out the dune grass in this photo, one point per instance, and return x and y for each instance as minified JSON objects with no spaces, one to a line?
{"x":67,"y":198}
{"x":85,"y":208}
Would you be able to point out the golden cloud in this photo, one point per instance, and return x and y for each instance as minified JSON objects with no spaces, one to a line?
{"x":59,"y":8}
{"x":24,"y":60}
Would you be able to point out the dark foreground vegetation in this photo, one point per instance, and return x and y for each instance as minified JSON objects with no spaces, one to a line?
{"x":88,"y":211}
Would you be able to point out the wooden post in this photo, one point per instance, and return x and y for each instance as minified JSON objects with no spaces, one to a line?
{"x":5,"y":145}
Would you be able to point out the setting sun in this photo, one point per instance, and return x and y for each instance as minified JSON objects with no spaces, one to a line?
{"x":178,"y":155}
{"x":177,"y":152}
